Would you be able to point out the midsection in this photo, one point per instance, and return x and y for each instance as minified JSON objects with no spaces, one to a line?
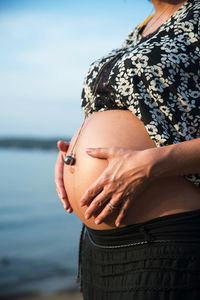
{"x":120,"y":128}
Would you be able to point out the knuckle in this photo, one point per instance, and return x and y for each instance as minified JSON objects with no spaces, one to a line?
{"x":91,"y":193}
{"x":109,"y":191}
{"x":106,"y":179}
{"x":99,"y":203}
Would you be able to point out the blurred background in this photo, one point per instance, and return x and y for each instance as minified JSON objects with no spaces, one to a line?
{"x":46,"y":48}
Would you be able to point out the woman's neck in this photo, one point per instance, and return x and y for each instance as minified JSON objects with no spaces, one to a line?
{"x":161,"y":6}
{"x":163,"y":11}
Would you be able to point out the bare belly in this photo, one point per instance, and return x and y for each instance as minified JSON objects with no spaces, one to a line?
{"x":120,"y":128}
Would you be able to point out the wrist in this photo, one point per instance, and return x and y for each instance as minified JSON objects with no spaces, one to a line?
{"x":160,"y":162}
{"x":173,"y":160}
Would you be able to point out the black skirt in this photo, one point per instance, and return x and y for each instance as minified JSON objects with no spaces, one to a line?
{"x":154,"y":260}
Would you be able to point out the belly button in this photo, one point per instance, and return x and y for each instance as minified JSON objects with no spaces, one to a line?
{"x":72,"y":169}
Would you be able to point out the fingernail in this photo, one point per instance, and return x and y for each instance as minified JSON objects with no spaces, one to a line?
{"x":81,"y":204}
{"x":97,"y":221}
{"x":69,"y":210}
{"x":117,"y":224}
{"x":87,"y":216}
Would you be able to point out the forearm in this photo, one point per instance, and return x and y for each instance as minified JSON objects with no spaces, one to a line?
{"x":177,"y":159}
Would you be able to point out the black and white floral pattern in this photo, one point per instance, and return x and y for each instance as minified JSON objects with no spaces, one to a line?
{"x":157,"y":78}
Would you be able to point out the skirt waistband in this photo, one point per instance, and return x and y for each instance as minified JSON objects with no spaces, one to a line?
{"x":176,"y":227}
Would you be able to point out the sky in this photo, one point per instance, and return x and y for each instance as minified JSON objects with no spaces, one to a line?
{"x":46,"y":49}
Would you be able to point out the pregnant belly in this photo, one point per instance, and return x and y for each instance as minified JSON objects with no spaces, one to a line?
{"x":120,"y":128}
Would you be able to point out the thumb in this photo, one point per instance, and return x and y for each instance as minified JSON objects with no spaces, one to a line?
{"x":62,"y":146}
{"x":102,"y":153}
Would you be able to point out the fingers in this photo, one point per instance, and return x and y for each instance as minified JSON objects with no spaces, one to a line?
{"x":97,"y":204}
{"x":59,"y":183}
{"x":103,"y":153}
{"x":63,"y":199}
{"x":91,"y":193}
{"x":62,"y":146}
{"x":109,"y":210}
{"x":122,"y":213}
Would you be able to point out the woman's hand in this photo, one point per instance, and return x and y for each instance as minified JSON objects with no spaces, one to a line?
{"x":127,"y":174}
{"x":62,"y":146}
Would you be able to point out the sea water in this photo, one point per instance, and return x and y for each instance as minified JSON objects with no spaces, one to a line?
{"x":38,"y":238}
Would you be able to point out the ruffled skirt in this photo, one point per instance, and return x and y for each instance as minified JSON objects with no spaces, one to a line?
{"x":154,"y":260}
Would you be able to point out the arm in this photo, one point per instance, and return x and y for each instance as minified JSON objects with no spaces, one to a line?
{"x":177,"y":159}
{"x":129,"y":172}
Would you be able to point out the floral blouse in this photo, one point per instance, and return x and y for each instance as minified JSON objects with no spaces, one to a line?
{"x":157,"y":78}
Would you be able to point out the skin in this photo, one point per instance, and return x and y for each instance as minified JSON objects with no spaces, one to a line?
{"x":141,"y":167}
{"x":163,"y":10}
{"x":62,"y":146}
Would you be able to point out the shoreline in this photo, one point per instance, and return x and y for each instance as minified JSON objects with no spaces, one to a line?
{"x":32,"y":143}
{"x":73,"y":294}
